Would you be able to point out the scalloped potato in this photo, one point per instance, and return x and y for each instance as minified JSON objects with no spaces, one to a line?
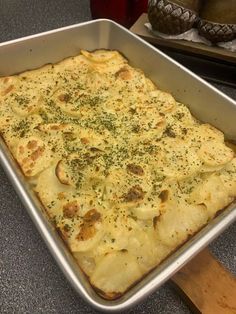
{"x":124,"y":171}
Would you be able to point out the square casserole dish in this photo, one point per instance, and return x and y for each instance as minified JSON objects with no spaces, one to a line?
{"x":204,"y":101}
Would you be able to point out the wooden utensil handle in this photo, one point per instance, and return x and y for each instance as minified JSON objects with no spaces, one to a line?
{"x":207,"y":286}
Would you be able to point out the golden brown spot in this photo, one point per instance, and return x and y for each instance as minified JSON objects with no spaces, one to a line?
{"x":60,"y":173}
{"x":61,"y":196}
{"x":135,"y":169}
{"x":21,"y":150}
{"x":28,"y":172}
{"x":32,"y":144}
{"x":70,"y":209}
{"x":164,"y":196}
{"x":86,"y":232}
{"x":57,"y":127}
{"x":88,"y":229}
{"x":136,"y":193}
{"x":36,"y":154}
{"x":30,"y":108}
{"x":92,"y":216}
{"x":6,"y":79}
{"x":84,"y":140}
{"x":155,"y":221}
{"x":124,"y":73}
{"x":7,"y":90}
{"x":64,"y":97}
{"x":160,"y":124}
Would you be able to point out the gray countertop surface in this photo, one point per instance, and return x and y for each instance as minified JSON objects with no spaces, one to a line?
{"x":30,"y":280}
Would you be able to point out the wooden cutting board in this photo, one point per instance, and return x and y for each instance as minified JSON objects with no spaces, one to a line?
{"x":206,"y":285}
{"x":195,"y":48}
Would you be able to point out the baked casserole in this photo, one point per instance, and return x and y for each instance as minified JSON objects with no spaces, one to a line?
{"x":123,"y":170}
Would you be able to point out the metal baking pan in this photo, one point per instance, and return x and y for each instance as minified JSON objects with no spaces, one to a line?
{"x":204,"y":101}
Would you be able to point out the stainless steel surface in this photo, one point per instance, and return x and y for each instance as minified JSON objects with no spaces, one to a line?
{"x":205,"y":102}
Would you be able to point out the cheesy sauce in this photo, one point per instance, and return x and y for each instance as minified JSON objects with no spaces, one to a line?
{"x":124,"y":171}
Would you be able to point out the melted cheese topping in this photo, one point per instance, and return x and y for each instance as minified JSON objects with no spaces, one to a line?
{"x":124,"y":171}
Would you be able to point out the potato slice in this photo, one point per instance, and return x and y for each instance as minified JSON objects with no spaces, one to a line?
{"x":150,"y":118}
{"x":214,"y":153}
{"x":144,"y":211}
{"x":26,"y":102}
{"x":7,"y":85}
{"x":55,"y":127}
{"x":175,"y":225}
{"x":85,"y":261}
{"x":61,"y":172}
{"x":115,"y":273}
{"x":70,"y":171}
{"x":180,"y":161}
{"x":61,"y":200}
{"x":33,"y":155}
{"x":211,"y":193}
{"x":89,"y":232}
{"x":86,"y":245}
{"x":99,"y":56}
{"x":228,"y":177}
{"x":164,"y":101}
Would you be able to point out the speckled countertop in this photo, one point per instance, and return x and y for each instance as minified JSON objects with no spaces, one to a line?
{"x":30,"y":280}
